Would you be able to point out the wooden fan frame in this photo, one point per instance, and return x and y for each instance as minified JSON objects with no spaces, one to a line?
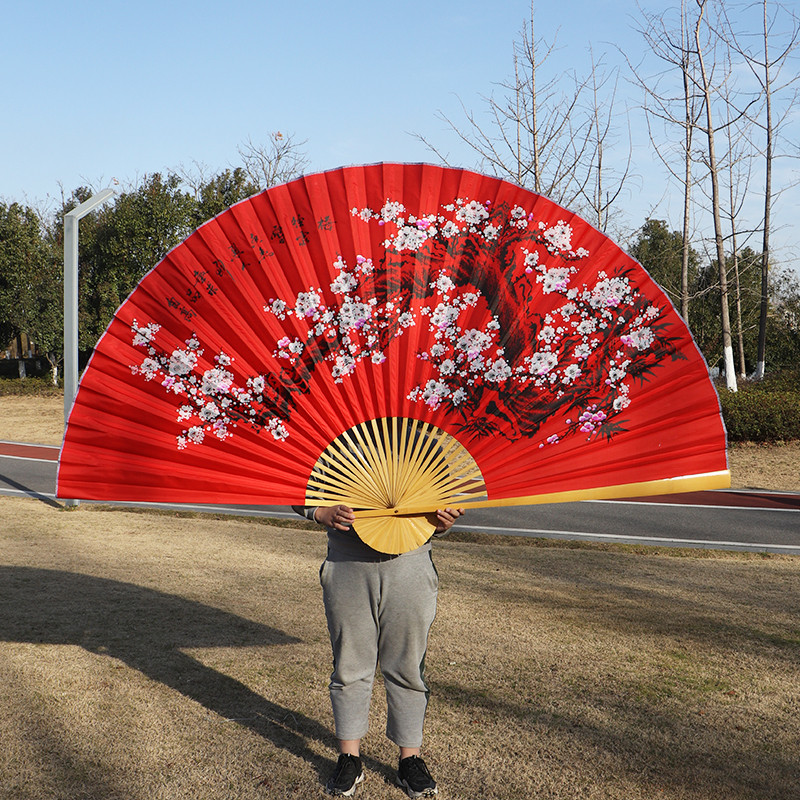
{"x":391,"y":463}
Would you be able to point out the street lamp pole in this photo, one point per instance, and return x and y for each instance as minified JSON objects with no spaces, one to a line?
{"x":71,"y":219}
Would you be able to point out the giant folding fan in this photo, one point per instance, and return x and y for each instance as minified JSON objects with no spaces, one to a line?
{"x":399,"y":338}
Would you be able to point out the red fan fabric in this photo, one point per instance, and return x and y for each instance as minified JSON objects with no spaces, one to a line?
{"x":403,"y":290}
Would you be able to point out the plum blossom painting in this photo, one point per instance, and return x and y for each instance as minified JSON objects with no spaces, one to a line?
{"x":394,"y":291}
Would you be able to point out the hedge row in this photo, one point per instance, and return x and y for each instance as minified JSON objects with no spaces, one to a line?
{"x":764,"y":411}
{"x":36,"y":386}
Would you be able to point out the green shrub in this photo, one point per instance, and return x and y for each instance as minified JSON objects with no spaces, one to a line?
{"x":763,"y":411}
{"x":41,"y":387}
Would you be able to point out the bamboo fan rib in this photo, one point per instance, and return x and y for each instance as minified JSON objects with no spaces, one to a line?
{"x":391,"y":463}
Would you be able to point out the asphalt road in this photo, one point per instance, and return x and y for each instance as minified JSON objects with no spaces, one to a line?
{"x":732,"y":520}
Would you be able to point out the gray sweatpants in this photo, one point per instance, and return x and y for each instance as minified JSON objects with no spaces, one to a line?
{"x":380,"y":612}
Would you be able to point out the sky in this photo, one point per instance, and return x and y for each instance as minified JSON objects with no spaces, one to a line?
{"x":102,"y":91}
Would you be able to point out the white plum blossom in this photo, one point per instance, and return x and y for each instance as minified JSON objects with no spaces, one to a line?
{"x":149,"y":368}
{"x":498,"y":371}
{"x":408,"y":238}
{"x":620,"y":402}
{"x":220,"y":430}
{"x":566,"y":311}
{"x":344,"y":365}
{"x":277,"y":429}
{"x":444,"y":284}
{"x":365,"y":214}
{"x":145,"y":334}
{"x":353,"y":314}
{"x":540,"y":363}
{"x":519,"y":217}
{"x":391,"y":210}
{"x":195,"y":434}
{"x":344,"y":282}
{"x":640,"y":338}
{"x":554,"y":280}
{"x":609,"y":293}
{"x":364,"y":266}
{"x":307,"y":303}
{"x":182,"y":362}
{"x":433,"y":393}
{"x":472,"y":213}
{"x":209,"y":412}
{"x":473,"y":342}
{"x":582,"y":351}
{"x":216,"y":381}
{"x":277,"y":307}
{"x":547,"y":333}
{"x":444,"y":315}
{"x":558,"y":237}
{"x":450,"y":229}
{"x":531,"y":257}
{"x":531,"y":260}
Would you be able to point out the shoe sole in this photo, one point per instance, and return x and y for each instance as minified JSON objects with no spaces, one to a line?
{"x":414,"y":794}
{"x":349,"y":793}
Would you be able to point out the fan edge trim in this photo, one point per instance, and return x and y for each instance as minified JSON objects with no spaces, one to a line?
{"x":684,"y":483}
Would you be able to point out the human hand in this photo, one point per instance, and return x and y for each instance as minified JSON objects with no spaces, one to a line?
{"x":340,"y":517}
{"x":446,"y":517}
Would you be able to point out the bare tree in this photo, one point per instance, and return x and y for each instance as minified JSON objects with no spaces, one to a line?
{"x":738,"y":172}
{"x":767,"y":67}
{"x":599,"y":197}
{"x":709,"y":88}
{"x":279,"y":160}
{"x":552,"y":137}
{"x":673,"y":108}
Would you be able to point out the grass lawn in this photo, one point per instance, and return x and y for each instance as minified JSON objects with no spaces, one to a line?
{"x":147,"y":656}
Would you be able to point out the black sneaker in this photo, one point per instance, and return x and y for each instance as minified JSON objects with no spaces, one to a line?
{"x":348,"y":775}
{"x":413,"y":776}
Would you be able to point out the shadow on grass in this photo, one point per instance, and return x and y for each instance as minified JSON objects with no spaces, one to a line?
{"x":678,"y":724}
{"x":146,"y":630}
{"x":658,"y":602}
{"x":48,"y":501}
{"x":655,"y":747}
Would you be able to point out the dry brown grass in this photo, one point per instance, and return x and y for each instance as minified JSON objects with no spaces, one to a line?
{"x":157,"y":657}
{"x":766,"y":466}
{"x":40,"y":420}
